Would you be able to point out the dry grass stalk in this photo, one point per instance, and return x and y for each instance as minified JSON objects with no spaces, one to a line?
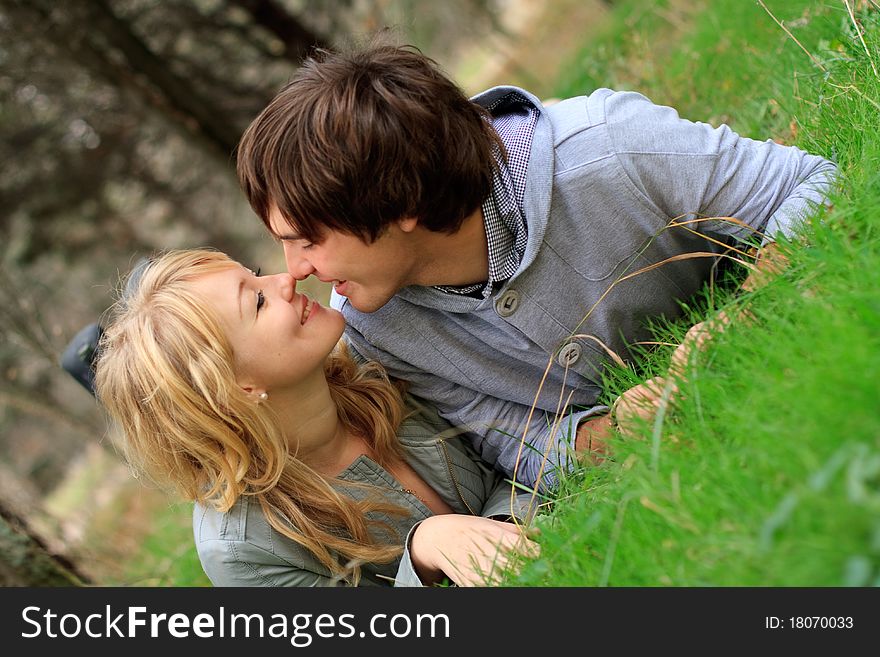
{"x":852,"y":17}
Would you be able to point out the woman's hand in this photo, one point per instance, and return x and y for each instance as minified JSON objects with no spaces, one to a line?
{"x":469,"y":550}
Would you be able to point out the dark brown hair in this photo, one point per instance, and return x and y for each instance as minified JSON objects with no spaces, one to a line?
{"x":362,"y":138}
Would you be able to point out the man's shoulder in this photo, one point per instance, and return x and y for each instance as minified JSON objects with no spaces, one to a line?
{"x":602,"y":105}
{"x":494,"y":94}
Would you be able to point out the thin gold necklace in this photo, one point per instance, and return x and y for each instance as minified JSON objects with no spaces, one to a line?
{"x":410,"y":491}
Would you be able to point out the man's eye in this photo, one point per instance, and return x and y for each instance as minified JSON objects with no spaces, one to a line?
{"x":261,"y":300}
{"x":257,"y":273}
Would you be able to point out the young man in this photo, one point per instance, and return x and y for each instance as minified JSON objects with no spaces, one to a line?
{"x":494,"y":252}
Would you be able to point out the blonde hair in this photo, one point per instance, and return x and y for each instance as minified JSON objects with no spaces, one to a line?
{"x":165,"y":375}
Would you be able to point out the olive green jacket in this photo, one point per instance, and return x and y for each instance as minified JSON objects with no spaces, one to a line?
{"x":240,"y":548}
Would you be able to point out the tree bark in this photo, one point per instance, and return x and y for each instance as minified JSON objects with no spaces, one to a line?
{"x":139,"y":71}
{"x":178,"y":93}
{"x":298,"y":40}
{"x":25,"y":560}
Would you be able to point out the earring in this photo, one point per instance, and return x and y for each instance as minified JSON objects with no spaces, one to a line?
{"x":264,"y":396}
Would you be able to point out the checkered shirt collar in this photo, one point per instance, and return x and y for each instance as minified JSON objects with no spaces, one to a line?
{"x":514,"y":118}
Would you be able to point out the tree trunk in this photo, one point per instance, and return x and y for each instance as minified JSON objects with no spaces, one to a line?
{"x":177,"y":92}
{"x":296,"y":37}
{"x":25,"y":560}
{"x":86,"y":28}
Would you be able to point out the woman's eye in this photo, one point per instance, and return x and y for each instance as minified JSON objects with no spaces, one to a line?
{"x":256,"y":273}
{"x":261,"y":300}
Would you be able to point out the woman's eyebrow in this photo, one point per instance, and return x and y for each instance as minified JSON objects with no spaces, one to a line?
{"x":240,"y":290}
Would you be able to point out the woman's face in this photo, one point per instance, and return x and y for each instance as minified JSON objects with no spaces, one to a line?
{"x":278,"y":337}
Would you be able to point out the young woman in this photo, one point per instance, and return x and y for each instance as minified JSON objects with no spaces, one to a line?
{"x":306,"y":468}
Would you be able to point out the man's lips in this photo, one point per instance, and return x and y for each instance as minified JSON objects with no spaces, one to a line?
{"x":307,"y":306}
{"x":340,"y":287}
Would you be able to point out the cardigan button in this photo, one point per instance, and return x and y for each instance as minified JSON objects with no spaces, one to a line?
{"x":507,"y":303}
{"x":569,"y":354}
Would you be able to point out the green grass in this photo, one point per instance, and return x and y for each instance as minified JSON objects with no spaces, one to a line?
{"x":716,"y":62}
{"x":143,"y":539}
{"x":767,"y":471}
{"x":167,"y":555}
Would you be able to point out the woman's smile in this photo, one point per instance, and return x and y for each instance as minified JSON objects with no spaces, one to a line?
{"x":310,"y":307}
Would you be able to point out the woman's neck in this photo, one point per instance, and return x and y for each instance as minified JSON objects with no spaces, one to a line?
{"x":312,"y":427}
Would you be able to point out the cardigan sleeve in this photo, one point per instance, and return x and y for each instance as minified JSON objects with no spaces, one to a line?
{"x":406,"y":571}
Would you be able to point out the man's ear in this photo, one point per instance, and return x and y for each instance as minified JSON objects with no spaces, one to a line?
{"x":408,"y":224}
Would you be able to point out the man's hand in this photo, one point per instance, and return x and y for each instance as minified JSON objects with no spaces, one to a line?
{"x":591,"y":440}
{"x":639,"y":405}
{"x":771,"y":261}
{"x":469,"y":550}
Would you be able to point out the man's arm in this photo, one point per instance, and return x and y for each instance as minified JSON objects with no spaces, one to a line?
{"x":732,"y":189}
{"x":731,"y":186}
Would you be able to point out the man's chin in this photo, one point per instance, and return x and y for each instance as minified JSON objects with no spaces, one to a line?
{"x":365,"y":304}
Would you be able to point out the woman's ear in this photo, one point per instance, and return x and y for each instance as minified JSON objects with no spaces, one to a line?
{"x":256,"y":391}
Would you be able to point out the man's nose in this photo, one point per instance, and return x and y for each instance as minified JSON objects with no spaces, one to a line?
{"x":298,"y":266}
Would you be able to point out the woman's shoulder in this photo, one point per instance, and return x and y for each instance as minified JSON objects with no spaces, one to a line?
{"x":240,"y":548}
{"x":210,"y":524}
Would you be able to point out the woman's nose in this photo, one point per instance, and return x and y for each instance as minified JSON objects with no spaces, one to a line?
{"x":286,"y":286}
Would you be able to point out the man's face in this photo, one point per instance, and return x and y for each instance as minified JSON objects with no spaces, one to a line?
{"x":368,"y":274}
